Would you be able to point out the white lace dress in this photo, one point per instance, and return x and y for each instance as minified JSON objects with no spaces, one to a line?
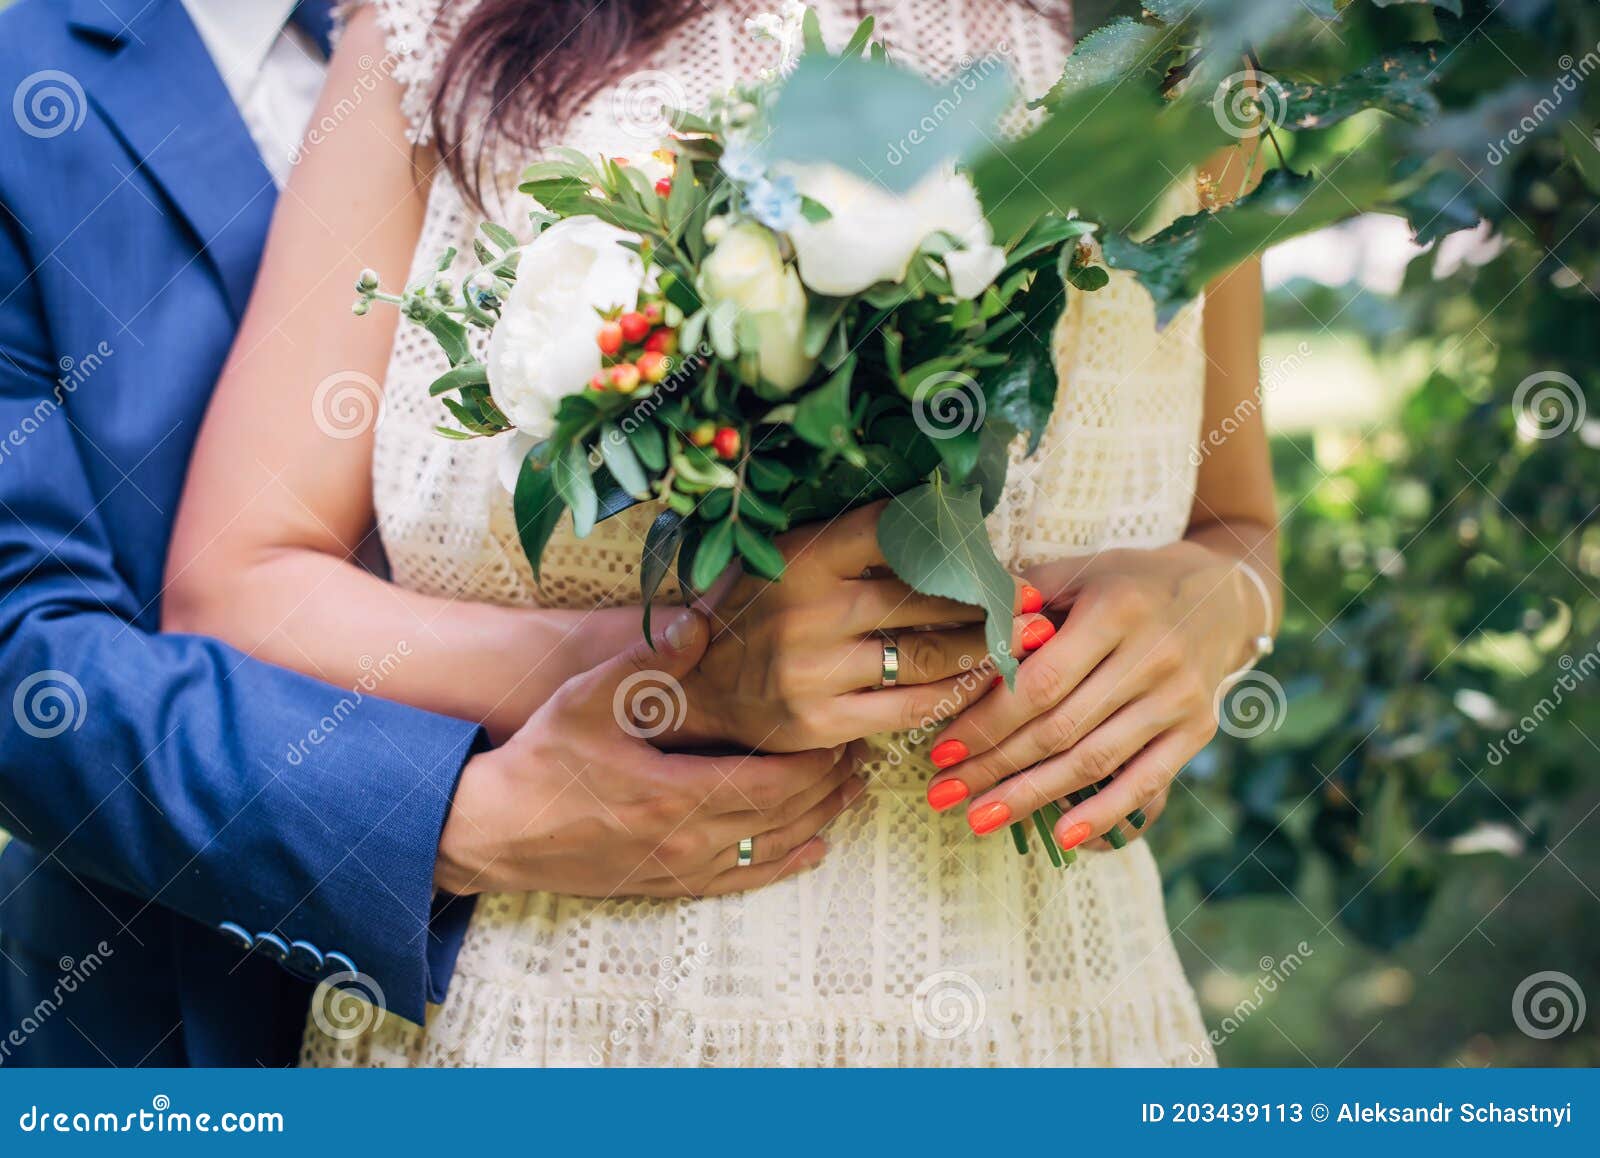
{"x":913,"y":944}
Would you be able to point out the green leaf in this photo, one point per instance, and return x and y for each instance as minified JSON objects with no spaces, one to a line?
{"x":860,"y":38}
{"x":934,"y":538}
{"x":759,"y":551}
{"x":649,"y":445}
{"x":1399,"y":83}
{"x":768,"y":475}
{"x":537,"y":508}
{"x":753,"y":506}
{"x":873,"y":118}
{"x":621,"y":461}
{"x":713,"y":555}
{"x":1087,"y":156}
{"x":500,"y":235}
{"x":451,"y":336}
{"x":823,"y":417}
{"x":571,"y":472}
{"x":1177,"y":263}
{"x":661,"y":543}
{"x":1112,"y":52}
{"x":1021,"y":391}
{"x":466,"y":374}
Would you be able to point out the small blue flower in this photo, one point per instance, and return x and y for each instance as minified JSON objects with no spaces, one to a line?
{"x":742,"y":164}
{"x":775,"y":202}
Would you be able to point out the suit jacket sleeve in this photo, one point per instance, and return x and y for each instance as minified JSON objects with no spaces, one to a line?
{"x":177,"y":768}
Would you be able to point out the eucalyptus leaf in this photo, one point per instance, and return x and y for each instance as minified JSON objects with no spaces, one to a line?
{"x":622,"y":462}
{"x":712,"y":556}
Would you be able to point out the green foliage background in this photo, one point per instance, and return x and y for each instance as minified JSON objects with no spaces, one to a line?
{"x":1441,"y":560}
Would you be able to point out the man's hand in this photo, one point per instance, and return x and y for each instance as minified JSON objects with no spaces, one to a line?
{"x":579,"y":801}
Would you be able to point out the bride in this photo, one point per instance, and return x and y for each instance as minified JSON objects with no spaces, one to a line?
{"x":914,"y":938}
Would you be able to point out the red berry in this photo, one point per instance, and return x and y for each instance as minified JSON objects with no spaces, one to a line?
{"x":598,"y":382}
{"x":652,"y":313}
{"x":634,"y":326}
{"x":662,"y":341}
{"x":663,"y":186}
{"x":726,"y":442}
{"x":610,"y":338}
{"x":703,"y":434}
{"x":654,"y":366}
{"x":625,"y":378}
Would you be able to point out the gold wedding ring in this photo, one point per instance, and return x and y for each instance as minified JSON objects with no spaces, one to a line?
{"x":891,"y":664}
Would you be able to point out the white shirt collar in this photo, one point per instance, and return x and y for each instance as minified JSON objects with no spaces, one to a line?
{"x":239,"y":36}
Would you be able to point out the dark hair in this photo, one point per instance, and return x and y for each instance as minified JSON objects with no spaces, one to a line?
{"x":517,"y":70}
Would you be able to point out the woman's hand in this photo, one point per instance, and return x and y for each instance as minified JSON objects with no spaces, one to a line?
{"x":1126,"y":688}
{"x":798,"y":663}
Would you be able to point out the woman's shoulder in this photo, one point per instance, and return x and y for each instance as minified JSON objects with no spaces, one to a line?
{"x":417,"y":35}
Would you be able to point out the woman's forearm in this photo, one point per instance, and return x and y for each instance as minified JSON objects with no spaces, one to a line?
{"x":327,"y":617}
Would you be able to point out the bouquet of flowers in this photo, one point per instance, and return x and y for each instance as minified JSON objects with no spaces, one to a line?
{"x":744,"y":328}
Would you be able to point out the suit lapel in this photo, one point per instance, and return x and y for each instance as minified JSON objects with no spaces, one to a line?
{"x":154,"y":82}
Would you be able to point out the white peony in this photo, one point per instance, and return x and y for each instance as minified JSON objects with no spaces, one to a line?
{"x":873,"y":233}
{"x":543,"y":347}
{"x":747,"y":269}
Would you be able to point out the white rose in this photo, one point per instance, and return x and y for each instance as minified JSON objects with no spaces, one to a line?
{"x":746,"y":269}
{"x":543,"y":347}
{"x":873,"y":233}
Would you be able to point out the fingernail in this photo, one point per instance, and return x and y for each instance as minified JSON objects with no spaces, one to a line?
{"x":680,"y":631}
{"x":1074,"y":836}
{"x":945,"y":793}
{"x":948,"y":752}
{"x":1036,"y":634}
{"x":988,"y":817}
{"x":837,"y":752}
{"x":1032,"y":599}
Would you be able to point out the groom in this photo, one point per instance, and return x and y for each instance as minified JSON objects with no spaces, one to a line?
{"x":175,"y":879}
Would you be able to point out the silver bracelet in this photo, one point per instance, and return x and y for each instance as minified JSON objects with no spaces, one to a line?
{"x":1261,"y":645}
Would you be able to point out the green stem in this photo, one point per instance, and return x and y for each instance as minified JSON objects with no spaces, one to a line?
{"x":1049,"y":839}
{"x":1019,"y":837}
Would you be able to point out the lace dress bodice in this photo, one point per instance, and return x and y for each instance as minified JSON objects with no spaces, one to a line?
{"x":859,"y":961}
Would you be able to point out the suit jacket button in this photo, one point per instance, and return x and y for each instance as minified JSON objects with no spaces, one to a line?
{"x":237,"y":936}
{"x":338,"y":963}
{"x":305,"y":960}
{"x":272,"y":946}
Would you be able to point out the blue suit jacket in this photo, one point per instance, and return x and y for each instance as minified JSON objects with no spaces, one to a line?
{"x":196,"y":834}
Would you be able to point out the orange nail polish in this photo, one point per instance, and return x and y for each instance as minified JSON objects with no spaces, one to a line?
{"x":945,"y":793}
{"x":988,"y":817}
{"x":1074,"y":836}
{"x":948,"y":752}
{"x":1032,"y":599}
{"x":1036,"y":634}
{"x":996,"y":682}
